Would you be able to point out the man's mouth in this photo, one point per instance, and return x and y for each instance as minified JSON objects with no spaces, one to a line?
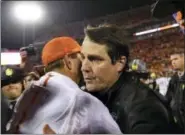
{"x":89,"y":79}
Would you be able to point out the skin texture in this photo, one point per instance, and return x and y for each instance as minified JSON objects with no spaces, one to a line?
{"x":27,"y":81}
{"x":98,"y":71}
{"x":29,"y":78}
{"x":48,"y":130}
{"x":177,"y":62}
{"x":71,"y":68}
{"x":73,"y":65}
{"x":12,"y":91}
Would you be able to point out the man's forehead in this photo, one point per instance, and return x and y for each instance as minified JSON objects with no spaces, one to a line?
{"x":176,"y":56}
{"x":92,"y":48}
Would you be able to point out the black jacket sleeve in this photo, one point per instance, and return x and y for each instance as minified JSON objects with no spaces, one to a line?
{"x":5,"y":114}
{"x":148,"y":117}
{"x":171,"y":88}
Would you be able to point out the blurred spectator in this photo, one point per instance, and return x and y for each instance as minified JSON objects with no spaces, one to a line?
{"x":31,"y":57}
{"x":39,"y":69}
{"x":156,"y":51}
{"x":29,"y":78}
{"x":12,"y":87}
{"x":5,"y":114}
{"x":176,"y":89}
{"x":12,"y":82}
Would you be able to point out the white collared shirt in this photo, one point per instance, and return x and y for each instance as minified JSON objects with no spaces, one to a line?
{"x":67,"y":109}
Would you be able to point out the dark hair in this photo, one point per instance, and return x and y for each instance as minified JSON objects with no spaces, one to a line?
{"x":114,"y":37}
{"x":39,"y":69}
{"x":179,"y":51}
{"x":33,"y":75}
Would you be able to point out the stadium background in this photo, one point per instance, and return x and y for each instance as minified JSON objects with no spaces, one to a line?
{"x":153,"y":48}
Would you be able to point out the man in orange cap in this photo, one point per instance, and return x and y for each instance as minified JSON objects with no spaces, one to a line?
{"x":61,"y":107}
{"x":60,"y":55}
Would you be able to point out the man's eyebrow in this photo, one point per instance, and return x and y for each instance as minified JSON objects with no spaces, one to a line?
{"x":95,"y":56}
{"x":81,"y":54}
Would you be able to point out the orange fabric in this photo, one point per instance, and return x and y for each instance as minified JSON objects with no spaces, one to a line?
{"x":57,"y":48}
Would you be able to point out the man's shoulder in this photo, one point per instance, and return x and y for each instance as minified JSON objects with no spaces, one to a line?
{"x":140,"y":90}
{"x":138,"y":93}
{"x":174,"y":78}
{"x":144,"y":99}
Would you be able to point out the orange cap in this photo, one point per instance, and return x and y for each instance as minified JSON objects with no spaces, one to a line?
{"x":57,"y":48}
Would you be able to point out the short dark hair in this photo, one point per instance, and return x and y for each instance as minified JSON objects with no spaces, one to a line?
{"x":115,"y":38}
{"x":33,"y":75}
{"x":179,"y":51}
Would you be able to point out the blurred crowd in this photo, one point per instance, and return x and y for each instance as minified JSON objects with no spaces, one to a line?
{"x":156,"y":51}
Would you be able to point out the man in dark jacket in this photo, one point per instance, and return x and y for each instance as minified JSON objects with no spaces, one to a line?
{"x":135,"y":107}
{"x":176,"y":93}
{"x":5,"y":114}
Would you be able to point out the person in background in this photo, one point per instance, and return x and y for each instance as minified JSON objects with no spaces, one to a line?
{"x":31,"y":57}
{"x":29,"y":78}
{"x":5,"y":114}
{"x":26,"y":62}
{"x":176,"y":93}
{"x":12,"y":87}
{"x":176,"y":89}
{"x":12,"y":84}
{"x":135,"y":108}
{"x":39,"y":70}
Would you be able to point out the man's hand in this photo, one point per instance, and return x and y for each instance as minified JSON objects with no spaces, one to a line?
{"x":48,"y":130}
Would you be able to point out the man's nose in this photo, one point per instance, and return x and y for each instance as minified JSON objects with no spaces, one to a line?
{"x":173,"y":63}
{"x":11,"y":86}
{"x":86,"y":66}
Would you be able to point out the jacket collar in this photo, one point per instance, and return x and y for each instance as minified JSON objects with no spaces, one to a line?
{"x":180,"y":74}
{"x":106,"y":95}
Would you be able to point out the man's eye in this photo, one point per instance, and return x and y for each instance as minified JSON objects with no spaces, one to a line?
{"x":29,"y":80}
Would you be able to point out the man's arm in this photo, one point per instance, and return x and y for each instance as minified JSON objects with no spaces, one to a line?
{"x":170,"y":91}
{"x":148,"y":117}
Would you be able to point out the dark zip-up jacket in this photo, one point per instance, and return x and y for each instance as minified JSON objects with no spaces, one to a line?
{"x":136,"y":108}
{"x":176,"y":99}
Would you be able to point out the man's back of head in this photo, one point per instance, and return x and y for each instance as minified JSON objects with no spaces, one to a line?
{"x":60,"y":55}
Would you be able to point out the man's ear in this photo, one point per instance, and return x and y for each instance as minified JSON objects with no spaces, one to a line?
{"x":67,"y":62}
{"x":121,"y":63}
{"x":24,"y":82}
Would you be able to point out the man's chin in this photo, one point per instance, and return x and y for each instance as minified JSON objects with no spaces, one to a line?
{"x":92,"y":88}
{"x":14,"y":95}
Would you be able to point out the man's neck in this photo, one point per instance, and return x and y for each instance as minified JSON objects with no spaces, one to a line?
{"x":63,"y":72}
